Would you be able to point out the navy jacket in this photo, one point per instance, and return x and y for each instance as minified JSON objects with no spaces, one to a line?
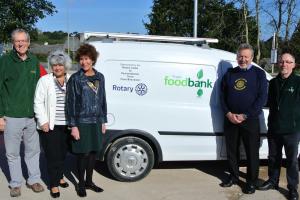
{"x":83,"y":104}
{"x":244,"y":91}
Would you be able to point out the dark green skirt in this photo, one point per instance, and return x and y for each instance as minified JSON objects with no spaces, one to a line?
{"x":90,"y":139}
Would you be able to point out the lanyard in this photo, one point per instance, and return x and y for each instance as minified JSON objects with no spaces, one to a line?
{"x":94,"y":86}
{"x":59,"y":86}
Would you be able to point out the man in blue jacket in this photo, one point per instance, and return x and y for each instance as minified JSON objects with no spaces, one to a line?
{"x":284,"y":125}
{"x":244,"y":93}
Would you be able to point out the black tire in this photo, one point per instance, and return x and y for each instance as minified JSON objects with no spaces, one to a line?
{"x":130,"y":159}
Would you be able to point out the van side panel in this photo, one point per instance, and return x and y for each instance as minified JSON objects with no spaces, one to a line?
{"x":171,"y":92}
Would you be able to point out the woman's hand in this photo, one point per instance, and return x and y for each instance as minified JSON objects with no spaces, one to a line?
{"x":103,"y":128}
{"x":75,"y":133}
{"x":45,"y":127}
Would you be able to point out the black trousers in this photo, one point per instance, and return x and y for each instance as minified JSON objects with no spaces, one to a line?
{"x":290,"y":143}
{"x":55,"y":145}
{"x":86,"y":164}
{"x":248,"y":132}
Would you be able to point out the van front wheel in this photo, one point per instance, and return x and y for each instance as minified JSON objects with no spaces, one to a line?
{"x":130,"y":159}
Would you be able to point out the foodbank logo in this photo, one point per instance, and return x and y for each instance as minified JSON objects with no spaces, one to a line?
{"x":199,"y":83}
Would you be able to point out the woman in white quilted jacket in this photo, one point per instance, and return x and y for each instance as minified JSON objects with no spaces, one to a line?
{"x":49,"y":108}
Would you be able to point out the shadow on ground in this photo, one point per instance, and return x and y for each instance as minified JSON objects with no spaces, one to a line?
{"x":213,"y":168}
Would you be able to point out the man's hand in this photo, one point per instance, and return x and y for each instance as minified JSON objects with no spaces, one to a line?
{"x":45,"y":127}
{"x":75,"y":133}
{"x":103,"y":128}
{"x":2,"y":123}
{"x":241,"y":117}
{"x":233,"y":118}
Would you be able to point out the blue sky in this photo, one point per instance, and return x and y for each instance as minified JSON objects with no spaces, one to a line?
{"x":110,"y":16}
{"x":98,"y":15}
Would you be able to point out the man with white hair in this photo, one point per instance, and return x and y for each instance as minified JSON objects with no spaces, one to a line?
{"x":19,"y":73}
{"x":244,"y":93}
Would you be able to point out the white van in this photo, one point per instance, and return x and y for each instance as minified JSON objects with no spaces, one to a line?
{"x":163,"y":101}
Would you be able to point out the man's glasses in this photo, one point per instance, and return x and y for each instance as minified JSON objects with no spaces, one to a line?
{"x":286,"y":61}
{"x":20,"y":41}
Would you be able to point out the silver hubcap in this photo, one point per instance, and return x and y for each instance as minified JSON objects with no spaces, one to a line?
{"x":131,"y":160}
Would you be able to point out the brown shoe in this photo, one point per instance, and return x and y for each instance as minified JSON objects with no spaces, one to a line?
{"x":36,"y":187}
{"x":15,"y":191}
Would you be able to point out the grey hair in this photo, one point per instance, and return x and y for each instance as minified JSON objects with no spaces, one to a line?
{"x":244,"y":46}
{"x":19,"y":30}
{"x":59,"y":57}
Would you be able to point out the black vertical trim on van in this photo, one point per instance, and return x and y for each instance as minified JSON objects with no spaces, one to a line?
{"x":197,"y":133}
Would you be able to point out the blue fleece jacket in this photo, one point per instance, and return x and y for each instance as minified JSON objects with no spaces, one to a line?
{"x":244,"y":91}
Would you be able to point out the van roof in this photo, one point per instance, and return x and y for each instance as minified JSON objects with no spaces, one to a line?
{"x":161,"y":52}
{"x":150,"y":38}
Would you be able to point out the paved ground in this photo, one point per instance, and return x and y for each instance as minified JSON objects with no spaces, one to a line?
{"x":171,"y":181}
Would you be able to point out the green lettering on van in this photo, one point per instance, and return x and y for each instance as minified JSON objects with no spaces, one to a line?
{"x":200,"y":74}
{"x":188,"y":82}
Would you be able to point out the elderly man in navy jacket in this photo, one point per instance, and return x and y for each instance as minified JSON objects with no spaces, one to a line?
{"x":244,"y":93}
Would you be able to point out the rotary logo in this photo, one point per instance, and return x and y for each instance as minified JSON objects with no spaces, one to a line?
{"x":240,"y":84}
{"x":141,"y":89}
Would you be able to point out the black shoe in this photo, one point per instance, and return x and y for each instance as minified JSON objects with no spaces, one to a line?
{"x":267,"y":185}
{"x":250,"y":188}
{"x":54,"y":195}
{"x":93,"y":187}
{"x":81,"y":192}
{"x":228,"y":183}
{"x":64,"y":185}
{"x":293,"y":195}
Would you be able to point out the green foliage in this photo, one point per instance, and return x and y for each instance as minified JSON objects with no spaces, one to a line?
{"x":170,"y":17}
{"x":42,"y":57}
{"x":216,"y":19}
{"x":22,"y":14}
{"x":295,"y":42}
{"x":56,"y":37}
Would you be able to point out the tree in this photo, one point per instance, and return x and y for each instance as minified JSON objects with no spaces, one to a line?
{"x":276,"y":17}
{"x":22,"y":14}
{"x":216,"y":18}
{"x":291,"y":5}
{"x":295,"y":42}
{"x":245,"y":17}
{"x":283,"y":16}
{"x":257,"y":17}
{"x":170,"y":17}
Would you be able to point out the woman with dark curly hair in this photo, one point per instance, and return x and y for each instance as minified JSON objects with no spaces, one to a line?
{"x":86,"y":115}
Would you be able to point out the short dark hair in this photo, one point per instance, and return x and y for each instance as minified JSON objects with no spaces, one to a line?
{"x":87,"y":50}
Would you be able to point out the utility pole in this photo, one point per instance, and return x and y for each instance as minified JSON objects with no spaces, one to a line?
{"x":195,"y":18}
{"x":68,"y":28}
{"x":273,"y":53}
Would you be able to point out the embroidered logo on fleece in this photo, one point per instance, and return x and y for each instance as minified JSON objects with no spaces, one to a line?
{"x":291,"y":89}
{"x":240,"y":84}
